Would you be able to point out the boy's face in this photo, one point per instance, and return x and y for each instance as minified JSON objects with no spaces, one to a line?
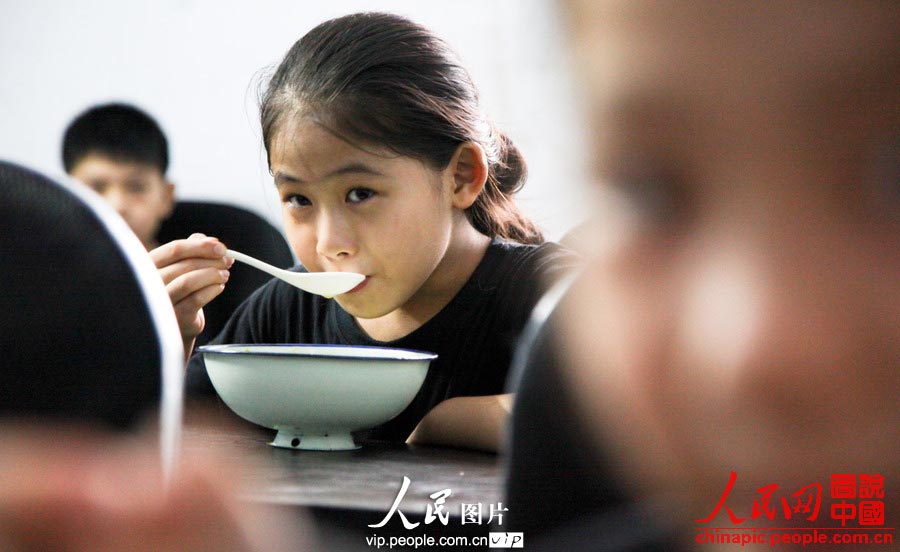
{"x":743,"y":308}
{"x":139,"y":192}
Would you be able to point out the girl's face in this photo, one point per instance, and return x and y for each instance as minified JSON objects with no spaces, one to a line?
{"x":744,"y":311}
{"x":367,"y":211}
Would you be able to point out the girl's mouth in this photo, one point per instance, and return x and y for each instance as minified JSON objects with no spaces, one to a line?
{"x":360,"y":286}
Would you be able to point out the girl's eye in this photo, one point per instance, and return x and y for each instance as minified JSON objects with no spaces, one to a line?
{"x":296,"y":200}
{"x":358,"y":195}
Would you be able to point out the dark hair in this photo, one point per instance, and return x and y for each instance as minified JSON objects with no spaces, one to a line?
{"x":380,"y":79}
{"x":118,"y":131}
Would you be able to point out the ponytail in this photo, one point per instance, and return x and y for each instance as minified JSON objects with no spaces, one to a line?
{"x":495,"y":212}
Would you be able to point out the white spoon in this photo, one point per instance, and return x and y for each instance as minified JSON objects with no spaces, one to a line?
{"x":327,"y":284}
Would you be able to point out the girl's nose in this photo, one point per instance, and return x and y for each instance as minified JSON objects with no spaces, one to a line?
{"x":335,"y":236}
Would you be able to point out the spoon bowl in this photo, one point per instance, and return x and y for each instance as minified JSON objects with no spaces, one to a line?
{"x":326,"y":284}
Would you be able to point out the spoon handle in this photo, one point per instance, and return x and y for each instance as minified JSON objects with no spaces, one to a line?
{"x":256,"y":263}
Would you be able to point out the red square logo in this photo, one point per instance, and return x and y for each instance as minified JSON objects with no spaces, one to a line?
{"x":843,"y":485}
{"x":871,"y":512}
{"x":871,"y":485}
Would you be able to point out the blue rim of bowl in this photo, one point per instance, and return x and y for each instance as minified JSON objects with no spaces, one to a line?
{"x":239,"y":348}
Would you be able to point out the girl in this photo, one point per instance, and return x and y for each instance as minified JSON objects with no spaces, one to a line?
{"x":386,"y":166}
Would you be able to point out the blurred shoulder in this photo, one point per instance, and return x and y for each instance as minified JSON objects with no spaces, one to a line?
{"x":548,"y":260}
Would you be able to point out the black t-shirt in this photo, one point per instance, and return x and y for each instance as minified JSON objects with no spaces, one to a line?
{"x":473,"y":335}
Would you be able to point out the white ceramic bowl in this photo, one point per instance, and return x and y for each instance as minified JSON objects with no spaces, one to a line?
{"x":315,"y":395}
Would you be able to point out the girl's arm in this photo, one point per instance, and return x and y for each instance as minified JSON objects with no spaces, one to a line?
{"x":465,"y":422}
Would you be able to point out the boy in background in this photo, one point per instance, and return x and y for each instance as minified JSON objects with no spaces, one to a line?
{"x":121,"y":152}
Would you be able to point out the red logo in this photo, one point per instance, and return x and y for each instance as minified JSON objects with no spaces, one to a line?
{"x":846,"y":490}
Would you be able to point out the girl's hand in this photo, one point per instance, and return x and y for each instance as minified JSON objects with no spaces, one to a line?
{"x":194,"y":271}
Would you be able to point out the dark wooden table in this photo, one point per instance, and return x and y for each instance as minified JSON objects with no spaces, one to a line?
{"x":344,"y":492}
{"x":366,"y":479}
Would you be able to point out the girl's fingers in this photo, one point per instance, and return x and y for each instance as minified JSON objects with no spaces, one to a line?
{"x":189,"y":310}
{"x":194,"y":272}
{"x":185,"y":288}
{"x":173,"y":271}
{"x":197,"y":246}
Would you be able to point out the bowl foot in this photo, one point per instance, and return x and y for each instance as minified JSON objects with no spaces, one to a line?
{"x":329,"y":441}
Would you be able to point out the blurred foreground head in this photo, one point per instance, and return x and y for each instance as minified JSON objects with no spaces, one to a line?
{"x":742,"y":311}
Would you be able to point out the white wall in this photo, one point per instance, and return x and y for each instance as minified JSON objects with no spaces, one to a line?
{"x":195,"y":65}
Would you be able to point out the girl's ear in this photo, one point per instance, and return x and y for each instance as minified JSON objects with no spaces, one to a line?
{"x":467,"y":172}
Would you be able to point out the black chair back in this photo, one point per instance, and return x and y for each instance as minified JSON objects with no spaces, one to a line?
{"x":79,"y":340}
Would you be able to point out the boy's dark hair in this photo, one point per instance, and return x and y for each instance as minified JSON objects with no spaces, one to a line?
{"x":119,"y":131}
{"x":379,"y":79}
